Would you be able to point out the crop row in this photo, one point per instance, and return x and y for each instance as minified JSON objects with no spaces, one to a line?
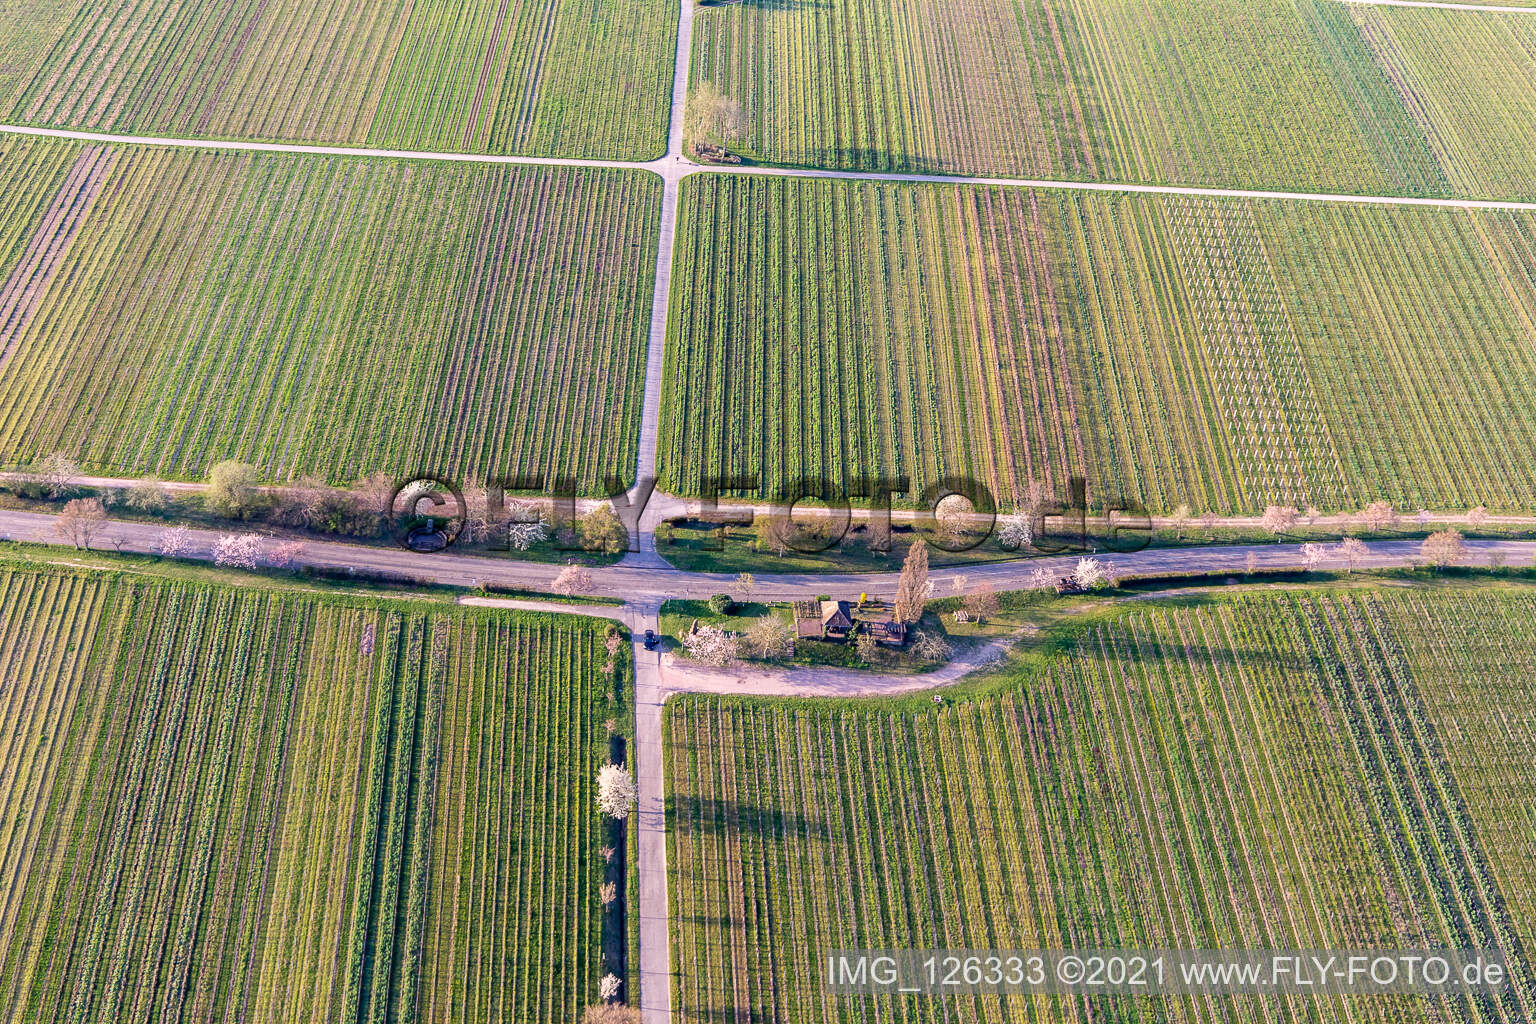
{"x":1275,"y":92}
{"x":1258,"y":774}
{"x":563,"y":78}
{"x":1469,"y":80}
{"x":340,"y":317}
{"x":1228,"y":354}
{"x":222,"y":804}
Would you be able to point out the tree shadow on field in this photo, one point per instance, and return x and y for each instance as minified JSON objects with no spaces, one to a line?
{"x":874,"y":161}
{"x":690,"y":812}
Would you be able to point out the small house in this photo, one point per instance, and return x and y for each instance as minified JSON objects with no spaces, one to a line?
{"x":836,"y":622}
{"x":818,"y":620}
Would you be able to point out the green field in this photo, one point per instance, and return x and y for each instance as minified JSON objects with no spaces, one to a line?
{"x":1280,"y":93}
{"x":1470,"y":80}
{"x":336,"y":316}
{"x":1227,"y":354}
{"x":238,"y":804}
{"x":1305,"y":770}
{"x":556,"y":78}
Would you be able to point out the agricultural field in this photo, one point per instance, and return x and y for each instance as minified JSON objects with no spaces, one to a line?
{"x":227,"y":804}
{"x":1228,"y":354}
{"x":331,"y":315}
{"x":1469,"y":79}
{"x":1279,"y":93}
{"x":1301,"y":770}
{"x":561,"y":77}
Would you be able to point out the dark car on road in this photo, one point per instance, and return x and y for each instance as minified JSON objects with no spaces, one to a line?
{"x":650,"y":640}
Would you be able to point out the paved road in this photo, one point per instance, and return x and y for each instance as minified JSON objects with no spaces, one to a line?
{"x":643,"y":584}
{"x":651,"y":823}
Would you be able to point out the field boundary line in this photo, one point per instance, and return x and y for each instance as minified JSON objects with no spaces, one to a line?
{"x":673,"y":168}
{"x":1441,"y":5}
{"x":303,"y":149}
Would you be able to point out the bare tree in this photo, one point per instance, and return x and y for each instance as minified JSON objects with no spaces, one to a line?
{"x":80,"y":521}
{"x":616,"y":792}
{"x":1443,"y":548}
{"x":148,"y":495}
{"x":981,"y":603}
{"x":1378,"y":515}
{"x":1209,"y":519}
{"x":1477,"y":517}
{"x":774,"y":533}
{"x":56,"y":474}
{"x":768,"y":638}
{"x":607,"y":893}
{"x":1037,"y":497}
{"x":573,"y":580}
{"x":713,"y":117}
{"x":1352,"y":550}
{"x":931,"y":646}
{"x":1251,"y":564}
{"x":232,"y":489}
{"x":303,"y":502}
{"x":745,"y":581}
{"x":1279,"y":519}
{"x":912,"y":587}
{"x":372,"y":495}
{"x":953,"y":515}
{"x":1180,"y":519}
{"x":1423,"y":517}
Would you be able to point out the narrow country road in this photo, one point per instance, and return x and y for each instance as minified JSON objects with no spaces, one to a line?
{"x":643,"y":584}
{"x":674,"y":167}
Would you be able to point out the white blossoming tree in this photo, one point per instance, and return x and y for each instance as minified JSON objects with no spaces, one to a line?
{"x":1091,"y":574}
{"x":712,"y":645}
{"x":1015,"y":532}
{"x":616,"y":793}
{"x":1312,"y":555}
{"x":175,"y":542}
{"x":526,"y":525}
{"x":237,"y":551}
